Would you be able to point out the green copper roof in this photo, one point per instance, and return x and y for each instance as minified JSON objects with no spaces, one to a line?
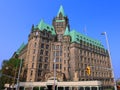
{"x":43,"y":26}
{"x":66,"y":31}
{"x":76,"y":37}
{"x":20,"y":49}
{"x":61,"y":10}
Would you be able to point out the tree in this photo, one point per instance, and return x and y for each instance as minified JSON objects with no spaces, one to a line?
{"x":9,"y":71}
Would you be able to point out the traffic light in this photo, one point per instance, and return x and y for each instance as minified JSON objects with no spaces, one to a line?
{"x":88,"y":70}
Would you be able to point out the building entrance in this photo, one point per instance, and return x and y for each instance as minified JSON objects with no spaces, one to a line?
{"x":49,"y":87}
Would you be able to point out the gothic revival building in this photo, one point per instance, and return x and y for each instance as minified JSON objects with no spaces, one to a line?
{"x":69,"y":51}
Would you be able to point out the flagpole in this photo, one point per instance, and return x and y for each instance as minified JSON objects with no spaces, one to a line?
{"x":108,"y":47}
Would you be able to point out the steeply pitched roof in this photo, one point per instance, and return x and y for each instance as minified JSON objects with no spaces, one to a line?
{"x":21,"y":47}
{"x":76,"y":37}
{"x":61,"y":10}
{"x":43,"y":26}
{"x":66,"y":31}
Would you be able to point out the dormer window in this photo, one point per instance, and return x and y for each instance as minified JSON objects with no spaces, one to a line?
{"x":47,"y":27}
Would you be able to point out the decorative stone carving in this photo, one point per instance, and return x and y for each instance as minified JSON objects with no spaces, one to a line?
{"x":50,"y":75}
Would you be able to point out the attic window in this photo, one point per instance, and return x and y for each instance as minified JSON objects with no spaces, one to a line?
{"x":77,"y":39}
{"x":47,"y":27}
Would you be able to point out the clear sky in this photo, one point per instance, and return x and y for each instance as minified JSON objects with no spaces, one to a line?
{"x":97,"y":16}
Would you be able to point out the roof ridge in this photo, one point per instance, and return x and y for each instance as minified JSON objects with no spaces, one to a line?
{"x":20,"y":48}
{"x":76,"y":37}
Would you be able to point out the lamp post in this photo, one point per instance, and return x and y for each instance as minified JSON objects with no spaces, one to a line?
{"x":54,"y":67}
{"x":108,"y":47}
{"x":17,"y":86}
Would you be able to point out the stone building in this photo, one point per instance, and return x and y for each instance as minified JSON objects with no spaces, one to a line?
{"x":69,"y":51}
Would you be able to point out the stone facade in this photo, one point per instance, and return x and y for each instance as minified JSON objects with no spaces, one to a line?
{"x":72,"y":53}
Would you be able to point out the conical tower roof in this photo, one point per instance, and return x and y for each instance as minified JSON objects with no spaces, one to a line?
{"x":41,"y":24}
{"x":61,"y":10}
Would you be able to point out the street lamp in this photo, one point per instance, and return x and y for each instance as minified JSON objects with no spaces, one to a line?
{"x":108,"y":47}
{"x":17,"y":86}
{"x":54,"y":67}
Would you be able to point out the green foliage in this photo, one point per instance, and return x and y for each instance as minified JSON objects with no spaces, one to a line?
{"x":118,"y":83}
{"x":9,"y":71}
{"x":36,"y":88}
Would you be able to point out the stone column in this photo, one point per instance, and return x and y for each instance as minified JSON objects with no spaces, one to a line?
{"x":90,"y":88}
{"x":63,"y":87}
{"x":83,"y":88}
{"x":70,"y":88}
{"x":97,"y":88}
{"x":57,"y":87}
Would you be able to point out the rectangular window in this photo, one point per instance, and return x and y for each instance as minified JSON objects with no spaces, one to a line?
{"x":45,"y":66}
{"x":57,"y":66}
{"x":54,"y":53}
{"x":57,"y":53}
{"x":35,"y":45}
{"x":46,"y":59}
{"x":60,"y":66}
{"x":42,"y":40}
{"x":41,"y":52}
{"x":57,"y":47}
{"x":39,"y":72}
{"x":31,"y":73}
{"x":33,"y":58}
{"x":40,"y":65}
{"x":64,"y":61}
{"x":34,"y":51}
{"x":41,"y":59}
{"x":57,"y":59}
{"x":47,"y":46}
{"x":60,"y":60}
{"x":64,"y":68}
{"x":46,"y":53}
{"x":47,"y":39}
{"x":32,"y":65}
{"x":53,"y":47}
{"x":42,"y":45}
{"x":60,"y":53}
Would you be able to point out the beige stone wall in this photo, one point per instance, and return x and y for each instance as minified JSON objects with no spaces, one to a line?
{"x":83,"y":56}
{"x":71,"y":58}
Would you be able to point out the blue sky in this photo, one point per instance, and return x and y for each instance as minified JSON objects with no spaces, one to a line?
{"x":17,"y":17}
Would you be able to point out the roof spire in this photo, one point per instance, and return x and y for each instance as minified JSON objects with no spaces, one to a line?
{"x":61,"y":10}
{"x":66,"y":31}
{"x":40,"y":25}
